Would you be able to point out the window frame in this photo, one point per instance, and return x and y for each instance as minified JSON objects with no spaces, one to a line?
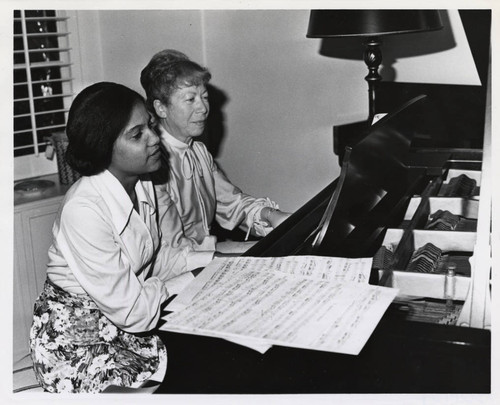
{"x":38,"y":164}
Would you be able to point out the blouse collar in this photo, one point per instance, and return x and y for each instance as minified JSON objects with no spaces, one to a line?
{"x":189,"y":163}
{"x":171,"y":140}
{"x":117,"y":199}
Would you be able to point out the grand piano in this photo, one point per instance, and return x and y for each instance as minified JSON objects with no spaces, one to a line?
{"x":414,"y":193}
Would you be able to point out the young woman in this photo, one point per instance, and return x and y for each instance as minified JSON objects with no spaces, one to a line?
{"x":92,"y":322}
{"x":176,"y":92}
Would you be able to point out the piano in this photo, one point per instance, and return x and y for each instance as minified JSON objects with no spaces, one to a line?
{"x":415,"y":195}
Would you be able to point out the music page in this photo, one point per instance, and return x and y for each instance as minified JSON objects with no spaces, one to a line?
{"x":319,"y":303}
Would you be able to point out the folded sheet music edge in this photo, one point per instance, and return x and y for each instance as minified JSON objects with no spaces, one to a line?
{"x":312,"y":302}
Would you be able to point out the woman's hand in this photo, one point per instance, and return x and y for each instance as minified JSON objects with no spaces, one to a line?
{"x":273,"y":216}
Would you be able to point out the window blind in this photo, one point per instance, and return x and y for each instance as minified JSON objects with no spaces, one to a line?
{"x":42,"y":78}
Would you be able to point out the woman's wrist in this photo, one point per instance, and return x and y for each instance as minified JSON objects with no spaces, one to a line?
{"x":267,"y":213}
{"x":273,"y":216}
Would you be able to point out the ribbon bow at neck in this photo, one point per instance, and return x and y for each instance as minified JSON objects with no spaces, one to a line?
{"x":190,"y":163}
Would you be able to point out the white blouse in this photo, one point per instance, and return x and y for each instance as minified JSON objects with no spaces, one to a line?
{"x":197,"y":192}
{"x":103,"y":247}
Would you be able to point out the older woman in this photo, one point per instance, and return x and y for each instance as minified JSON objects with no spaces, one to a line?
{"x":92,"y":322}
{"x":176,"y":92}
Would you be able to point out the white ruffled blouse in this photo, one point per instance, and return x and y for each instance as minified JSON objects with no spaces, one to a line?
{"x":200,"y":193}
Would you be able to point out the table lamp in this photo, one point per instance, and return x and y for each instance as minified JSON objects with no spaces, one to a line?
{"x":371,"y":24}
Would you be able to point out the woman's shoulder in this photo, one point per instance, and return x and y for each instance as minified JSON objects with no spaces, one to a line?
{"x":86,"y":195}
{"x":82,"y":193}
{"x":82,"y":189}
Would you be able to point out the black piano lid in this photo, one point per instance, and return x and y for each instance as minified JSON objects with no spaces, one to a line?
{"x":376,"y":183}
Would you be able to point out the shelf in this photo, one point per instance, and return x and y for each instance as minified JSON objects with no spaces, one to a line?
{"x":57,"y":190}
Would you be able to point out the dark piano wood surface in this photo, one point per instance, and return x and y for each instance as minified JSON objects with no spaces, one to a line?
{"x":401,"y":356}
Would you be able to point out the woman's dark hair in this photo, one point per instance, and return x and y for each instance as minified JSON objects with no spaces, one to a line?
{"x":97,"y":116}
{"x":167,"y":71}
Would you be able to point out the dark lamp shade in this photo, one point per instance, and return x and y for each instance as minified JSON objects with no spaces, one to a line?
{"x":371,"y":23}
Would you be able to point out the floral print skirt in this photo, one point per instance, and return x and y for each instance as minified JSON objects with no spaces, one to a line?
{"x":75,"y":348}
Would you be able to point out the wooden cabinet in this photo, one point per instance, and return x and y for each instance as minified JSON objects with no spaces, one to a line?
{"x":33,"y":220}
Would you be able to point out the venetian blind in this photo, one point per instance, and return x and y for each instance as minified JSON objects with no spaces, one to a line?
{"x":42,"y":78}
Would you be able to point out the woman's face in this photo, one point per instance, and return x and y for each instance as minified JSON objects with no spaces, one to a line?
{"x":136,"y":151}
{"x":187,"y":112}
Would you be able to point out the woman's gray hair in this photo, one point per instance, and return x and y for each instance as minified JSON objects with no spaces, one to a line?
{"x":167,"y":71}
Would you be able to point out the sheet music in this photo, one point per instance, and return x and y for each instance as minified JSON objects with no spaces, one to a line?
{"x":314,"y":267}
{"x":292,"y":301}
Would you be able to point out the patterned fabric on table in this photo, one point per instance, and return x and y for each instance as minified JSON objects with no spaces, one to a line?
{"x":75,"y":348}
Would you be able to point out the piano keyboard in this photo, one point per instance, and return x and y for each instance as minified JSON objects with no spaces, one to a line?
{"x":439,"y":234}
{"x":430,"y":311}
{"x":460,"y":186}
{"x":428,"y":259}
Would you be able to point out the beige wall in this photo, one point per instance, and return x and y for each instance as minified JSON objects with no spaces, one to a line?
{"x":282,"y":95}
{"x":283,"y":100}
